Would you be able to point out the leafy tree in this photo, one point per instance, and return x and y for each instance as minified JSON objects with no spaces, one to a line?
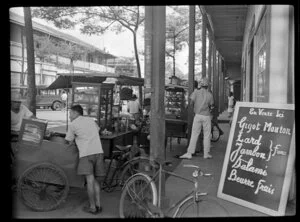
{"x":169,"y":72}
{"x":177,"y":31}
{"x":44,"y":46}
{"x":71,"y":51}
{"x":97,"y":20}
{"x":176,"y":34}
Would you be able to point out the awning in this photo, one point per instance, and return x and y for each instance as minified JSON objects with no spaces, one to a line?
{"x":129,"y":81}
{"x":175,"y":88}
{"x":65,"y":80}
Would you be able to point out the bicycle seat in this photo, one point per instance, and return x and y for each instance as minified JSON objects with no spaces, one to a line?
{"x":123,"y":148}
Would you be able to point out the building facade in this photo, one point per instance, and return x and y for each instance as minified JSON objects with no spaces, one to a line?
{"x":123,"y":65}
{"x":94,"y":60}
{"x":268,"y":54}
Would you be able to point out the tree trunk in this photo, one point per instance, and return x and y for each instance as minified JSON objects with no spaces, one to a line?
{"x":138,"y":66}
{"x":31,"y":100}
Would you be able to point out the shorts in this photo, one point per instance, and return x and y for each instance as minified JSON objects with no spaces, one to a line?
{"x":92,"y":164}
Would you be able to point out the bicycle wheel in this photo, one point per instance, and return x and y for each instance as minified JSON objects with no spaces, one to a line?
{"x":43,"y":187}
{"x":138,"y":193}
{"x":138,"y":165}
{"x":205,"y":207}
{"x":215,"y":133}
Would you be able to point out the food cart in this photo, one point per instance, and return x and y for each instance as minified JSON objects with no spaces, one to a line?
{"x":96,"y":93}
{"x":44,"y":167}
{"x":176,"y":100}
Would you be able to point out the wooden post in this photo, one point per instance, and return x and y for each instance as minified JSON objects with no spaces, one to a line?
{"x":203,"y":46}
{"x":157,"y":128}
{"x":155,"y":28}
{"x":217,"y":99}
{"x":209,"y":75}
{"x":215,"y":76}
{"x":191,"y":76}
{"x":222,"y":92}
{"x":219,"y":83}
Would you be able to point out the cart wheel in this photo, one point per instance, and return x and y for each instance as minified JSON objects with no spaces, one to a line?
{"x":43,"y":186}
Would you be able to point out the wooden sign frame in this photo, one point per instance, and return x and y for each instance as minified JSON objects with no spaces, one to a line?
{"x":288,"y":170}
{"x":32,"y":132}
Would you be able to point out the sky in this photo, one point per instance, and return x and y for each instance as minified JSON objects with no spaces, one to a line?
{"x":118,"y":45}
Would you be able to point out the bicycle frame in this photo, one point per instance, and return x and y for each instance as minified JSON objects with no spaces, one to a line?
{"x":120,"y":164}
{"x":118,"y":169}
{"x":179,"y":203}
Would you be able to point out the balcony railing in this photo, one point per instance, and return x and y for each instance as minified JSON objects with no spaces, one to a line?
{"x":16,"y":52}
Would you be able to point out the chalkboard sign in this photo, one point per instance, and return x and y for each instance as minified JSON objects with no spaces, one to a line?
{"x":259,"y":157}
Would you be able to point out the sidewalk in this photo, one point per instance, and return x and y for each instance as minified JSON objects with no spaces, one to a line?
{"x":177,"y":188}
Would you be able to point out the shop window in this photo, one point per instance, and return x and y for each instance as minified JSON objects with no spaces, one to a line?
{"x":15,"y":33}
{"x":261,"y":89}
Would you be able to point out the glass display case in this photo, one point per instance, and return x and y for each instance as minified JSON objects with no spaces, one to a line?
{"x":106,"y":105}
{"x":175,"y":101}
{"x":96,"y":101}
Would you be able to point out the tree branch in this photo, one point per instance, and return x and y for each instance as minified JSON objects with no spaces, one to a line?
{"x":128,"y":9}
{"x":122,"y":20}
{"x":169,"y":54}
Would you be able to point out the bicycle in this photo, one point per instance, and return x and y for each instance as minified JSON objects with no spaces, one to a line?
{"x":123,"y":164}
{"x":215,"y":132}
{"x":139,"y":197}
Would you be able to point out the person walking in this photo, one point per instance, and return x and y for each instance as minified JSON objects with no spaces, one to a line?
{"x":231,"y":104}
{"x":202,"y":100}
{"x":85,"y":132}
{"x":64,"y":97}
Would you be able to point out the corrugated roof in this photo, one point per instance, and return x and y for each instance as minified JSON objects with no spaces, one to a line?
{"x":18,"y":19}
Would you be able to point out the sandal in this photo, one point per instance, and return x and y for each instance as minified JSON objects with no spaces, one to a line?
{"x":99,"y":209}
{"x":87,"y":209}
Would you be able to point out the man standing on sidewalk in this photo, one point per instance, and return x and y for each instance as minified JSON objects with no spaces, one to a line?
{"x":202,"y":100}
{"x":85,"y":131}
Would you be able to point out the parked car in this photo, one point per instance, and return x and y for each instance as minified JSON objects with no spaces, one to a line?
{"x":46,"y":98}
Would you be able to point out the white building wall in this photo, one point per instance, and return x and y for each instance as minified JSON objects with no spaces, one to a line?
{"x":279,"y":54}
{"x":45,"y":69}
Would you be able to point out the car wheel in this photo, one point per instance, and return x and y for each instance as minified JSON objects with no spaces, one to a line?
{"x":56,"y":105}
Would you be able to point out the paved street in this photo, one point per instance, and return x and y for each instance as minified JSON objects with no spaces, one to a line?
{"x":72,"y":207}
{"x":55,"y":118}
